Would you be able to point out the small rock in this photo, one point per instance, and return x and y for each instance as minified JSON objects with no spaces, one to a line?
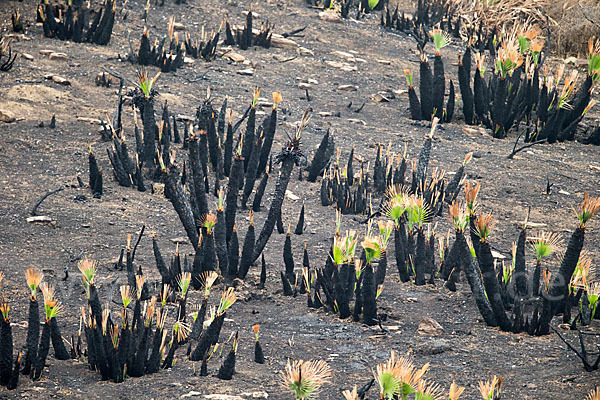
{"x":7,"y":116}
{"x":179,"y":240}
{"x":564,"y":192}
{"x":158,"y":188}
{"x":346,"y":56}
{"x":60,"y":80}
{"x":188,"y":60}
{"x":235,"y":57}
{"x":384,"y":62}
{"x":341,"y":65}
{"x":348,"y":88}
{"x":246,"y":72}
{"x":325,"y":114}
{"x":94,"y":121}
{"x":40,"y":218}
{"x":357,"y":121}
{"x":291,"y":196}
{"x":46,"y":52}
{"x":430,"y":326}
{"x":280,"y":42}
{"x":178,"y":26}
{"x":27,"y":56}
{"x":59,"y":56}
{"x":437,"y":346}
{"x":497,"y":255}
{"x":378,"y":97}
{"x":222,"y":397}
{"x":330,"y":16}
{"x":190,"y":394}
{"x":304,"y":85}
{"x":255,"y":395}
{"x":303,"y":51}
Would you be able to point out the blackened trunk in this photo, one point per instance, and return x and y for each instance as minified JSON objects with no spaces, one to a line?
{"x":232,"y":195}
{"x":275,"y":209}
{"x":247,"y":253}
{"x":221,"y":243}
{"x":321,"y":158}
{"x":426,"y":90}
{"x":369,"y":296}
{"x":400,"y":252}
{"x":519,"y":274}
{"x":33,"y":336}
{"x":265,"y":150}
{"x":60,"y":351}
{"x":492,"y":287}
{"x":233,"y":254}
{"x":176,"y":195}
{"x":260,"y":191}
{"x":228,"y":367}
{"x":474,"y":278}
{"x":556,"y":290}
{"x":40,"y":361}
{"x":6,"y":351}
{"x":439,"y":86}
{"x":259,"y":357}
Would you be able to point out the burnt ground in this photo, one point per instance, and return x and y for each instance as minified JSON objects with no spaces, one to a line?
{"x":34,"y":160}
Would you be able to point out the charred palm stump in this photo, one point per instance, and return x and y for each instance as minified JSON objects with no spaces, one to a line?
{"x":426,"y":88}
{"x":369,"y":296}
{"x":400,"y":250}
{"x":464,"y":84}
{"x":420,"y":258}
{"x":263,"y":272}
{"x":33,"y":335}
{"x":145,"y":104}
{"x":209,"y":337}
{"x":249,"y":136}
{"x":555,"y":296}
{"x":227,"y":369}
{"x":381,"y":269}
{"x":259,"y":356}
{"x":228,"y":147}
{"x":210,"y":261}
{"x":288,"y":258}
{"x":321,"y":158}
{"x":220,"y":238}
{"x":340,"y":278}
{"x":251,"y":170}
{"x":492,"y":286}
{"x":520,"y":274}
{"x":42,"y":353}
{"x":175,"y":194}
{"x":449,"y":112}
{"x":481,"y":97}
{"x":288,"y":157}
{"x":233,"y":254}
{"x":454,"y":187}
{"x":287,"y":287}
{"x":247,"y":250}
{"x":300,"y":225}
{"x":232,"y":193}
{"x":439,"y":87}
{"x":161,"y":265}
{"x":474,"y":278}
{"x":198,"y":324}
{"x":14,"y":376}
{"x":269,"y":135}
{"x":6,"y":346}
{"x":260,"y":191}
{"x":60,"y":351}
{"x":424,"y":155}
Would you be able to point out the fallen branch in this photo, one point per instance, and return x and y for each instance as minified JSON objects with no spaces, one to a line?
{"x":33,"y":211}
{"x":525,"y":146}
{"x":583,"y":355}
